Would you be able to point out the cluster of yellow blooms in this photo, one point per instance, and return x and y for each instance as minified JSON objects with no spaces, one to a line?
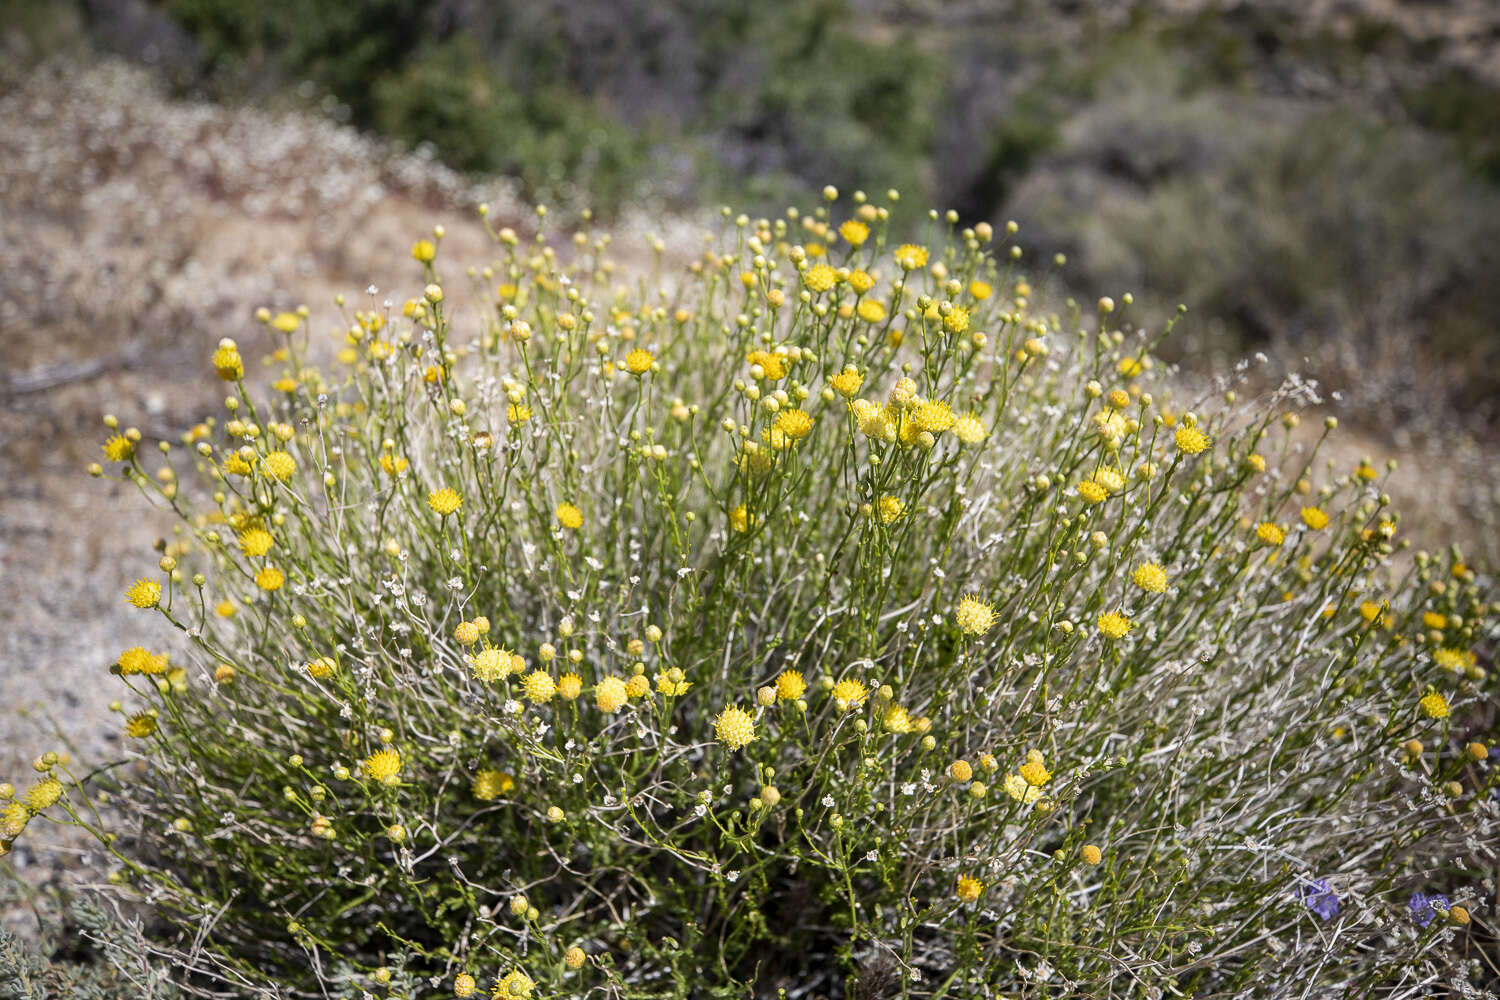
{"x":633,"y":595}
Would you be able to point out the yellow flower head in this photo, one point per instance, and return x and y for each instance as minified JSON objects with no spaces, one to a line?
{"x":1111,"y":479}
{"x":854,"y":232}
{"x":981,"y":290}
{"x":968,"y":889}
{"x":849,"y":692}
{"x":1270,"y":533}
{"x":238,"y":465}
{"x":861,"y":281}
{"x":1092,"y":491}
{"x":638,"y":362}
{"x":13,"y":819}
{"x":819,"y":279}
{"x":1017,"y":788}
{"x":896,"y":719}
{"x":872,"y":311}
{"x":873,"y":420}
{"x":638,"y":686}
{"x":138,"y":660}
{"x":735,"y":727}
{"x":270,"y":579}
{"x":491,"y":664}
{"x":280,"y":464}
{"x":795,"y":424}
{"x":118,"y":448}
{"x":393,"y":465}
{"x":1190,"y":440}
{"x":1314,"y":518}
{"x":227,"y":362}
{"x":1455,"y":660}
{"x":890,"y":509}
{"x":140,"y":726}
{"x":1434,"y":706}
{"x":383,"y":765}
{"x":969,"y":429}
{"x":790,"y":686}
{"x":960,"y":771}
{"x":256,"y":542}
{"x":1034,"y":772}
{"x":540,"y":687}
{"x":515,"y":984}
{"x":673,"y":682}
{"x":739,"y":519}
{"x":444,"y":501}
{"x":424,"y":251}
{"x":1113,"y":625}
{"x":772,"y":365}
{"x":570,"y":686}
{"x":957,"y":320}
{"x":1112,"y":427}
{"x":144,"y":594}
{"x":847,"y":382}
{"x":909,"y":256}
{"x":43,"y":794}
{"x":491,"y":784}
{"x":1150,"y":576}
{"x":934,"y":416}
{"x":974,"y":617}
{"x":610,"y":694}
{"x":569,"y":516}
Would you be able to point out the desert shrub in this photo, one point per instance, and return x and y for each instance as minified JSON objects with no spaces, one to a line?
{"x":809,"y":613}
{"x":449,"y":97}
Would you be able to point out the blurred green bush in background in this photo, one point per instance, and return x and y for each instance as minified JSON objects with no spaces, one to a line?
{"x":1316,"y":182}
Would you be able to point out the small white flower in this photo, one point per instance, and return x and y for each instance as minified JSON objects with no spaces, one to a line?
{"x":733,"y":876}
{"x":827,"y":801}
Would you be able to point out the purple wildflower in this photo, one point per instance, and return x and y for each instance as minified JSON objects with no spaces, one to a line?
{"x":1320,"y":898}
{"x":1424,"y":907}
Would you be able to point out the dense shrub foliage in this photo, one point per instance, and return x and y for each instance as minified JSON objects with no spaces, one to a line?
{"x":795,"y":611}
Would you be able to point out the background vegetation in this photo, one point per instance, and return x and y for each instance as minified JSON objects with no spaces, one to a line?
{"x":1316,"y":180}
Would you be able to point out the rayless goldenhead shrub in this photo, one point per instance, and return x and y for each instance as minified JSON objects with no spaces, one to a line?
{"x":810,"y":615}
